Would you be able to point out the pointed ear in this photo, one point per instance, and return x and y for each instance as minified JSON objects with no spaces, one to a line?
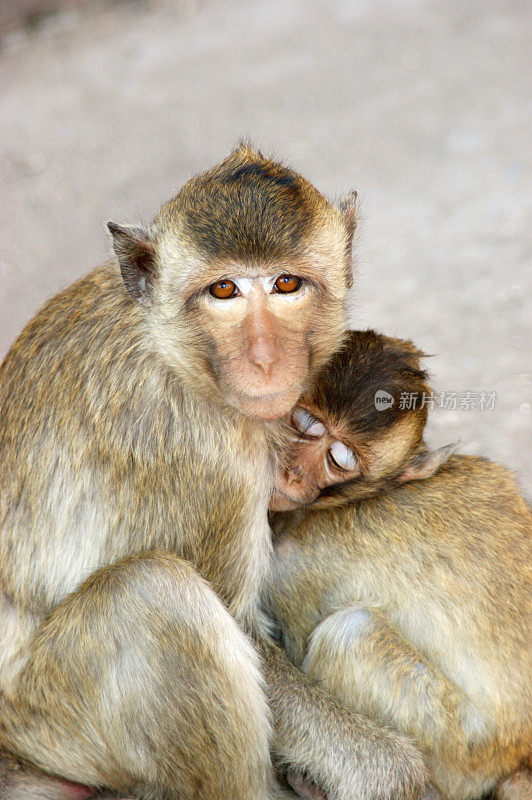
{"x":349,"y":208}
{"x":135,"y":254}
{"x":426,"y":463}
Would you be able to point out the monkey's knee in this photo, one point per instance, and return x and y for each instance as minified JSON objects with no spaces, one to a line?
{"x":337,"y":653}
{"x":517,"y":786}
{"x":336,"y":637}
{"x":204,"y":702}
{"x":169,"y":685}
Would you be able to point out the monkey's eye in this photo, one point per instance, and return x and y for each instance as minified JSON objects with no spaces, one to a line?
{"x":286,"y":284}
{"x":223,"y":290}
{"x":306,"y":423}
{"x":342,"y":456}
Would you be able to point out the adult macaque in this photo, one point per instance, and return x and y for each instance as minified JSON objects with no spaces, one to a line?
{"x":409,"y":605}
{"x":140,"y":425}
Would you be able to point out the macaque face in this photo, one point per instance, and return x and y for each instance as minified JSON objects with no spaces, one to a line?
{"x":249,"y":275}
{"x":321,"y":455}
{"x":257,"y":323}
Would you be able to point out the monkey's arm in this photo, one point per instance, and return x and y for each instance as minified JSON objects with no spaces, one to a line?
{"x":343,"y":752}
{"x":358,"y":656}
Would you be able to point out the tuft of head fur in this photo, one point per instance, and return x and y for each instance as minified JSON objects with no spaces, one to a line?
{"x":366,"y":363}
{"x":246,"y":207}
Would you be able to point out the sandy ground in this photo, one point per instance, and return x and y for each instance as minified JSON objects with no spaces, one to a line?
{"x":424,"y":107}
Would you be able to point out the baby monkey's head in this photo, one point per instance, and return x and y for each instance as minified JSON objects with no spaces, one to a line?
{"x":359,"y":432}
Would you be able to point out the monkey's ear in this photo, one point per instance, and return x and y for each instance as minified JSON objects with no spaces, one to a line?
{"x":349,"y":208}
{"x":135,"y":254}
{"x":426,"y":463}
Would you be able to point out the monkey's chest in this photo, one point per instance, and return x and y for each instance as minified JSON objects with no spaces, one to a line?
{"x":212,"y":512}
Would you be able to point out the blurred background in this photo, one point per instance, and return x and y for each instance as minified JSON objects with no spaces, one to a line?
{"x":424,"y":107}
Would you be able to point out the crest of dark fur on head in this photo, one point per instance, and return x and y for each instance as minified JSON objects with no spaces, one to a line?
{"x":367,"y":363}
{"x":248,"y":207}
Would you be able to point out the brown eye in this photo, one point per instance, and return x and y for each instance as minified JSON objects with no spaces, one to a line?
{"x":287,"y":284}
{"x":223,"y":290}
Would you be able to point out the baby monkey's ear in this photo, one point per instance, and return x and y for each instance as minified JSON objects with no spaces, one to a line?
{"x":425,"y":463}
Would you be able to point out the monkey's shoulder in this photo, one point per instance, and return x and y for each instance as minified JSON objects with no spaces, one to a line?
{"x":85,"y":373}
{"x":97,"y":296}
{"x":464,"y":488}
{"x":74,"y":335}
{"x":465,"y":484}
{"x":470,"y":500}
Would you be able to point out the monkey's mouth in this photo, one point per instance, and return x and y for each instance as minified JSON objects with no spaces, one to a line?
{"x":267,"y":406}
{"x":282,"y":501}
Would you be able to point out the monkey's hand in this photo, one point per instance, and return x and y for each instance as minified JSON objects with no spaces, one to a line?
{"x":343,"y":753}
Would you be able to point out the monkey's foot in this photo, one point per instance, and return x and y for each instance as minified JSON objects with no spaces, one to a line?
{"x":75,"y":791}
{"x":304,"y":788}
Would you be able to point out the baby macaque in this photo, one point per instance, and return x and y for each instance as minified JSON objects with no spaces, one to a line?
{"x":402,"y":582}
{"x":345,"y":445}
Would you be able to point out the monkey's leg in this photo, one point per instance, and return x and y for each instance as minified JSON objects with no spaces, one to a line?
{"x":361,"y":658}
{"x":358,"y":656}
{"x":319,"y":737}
{"x":141,"y":681}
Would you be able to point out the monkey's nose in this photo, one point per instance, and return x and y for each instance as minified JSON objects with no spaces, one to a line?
{"x":262,"y":355}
